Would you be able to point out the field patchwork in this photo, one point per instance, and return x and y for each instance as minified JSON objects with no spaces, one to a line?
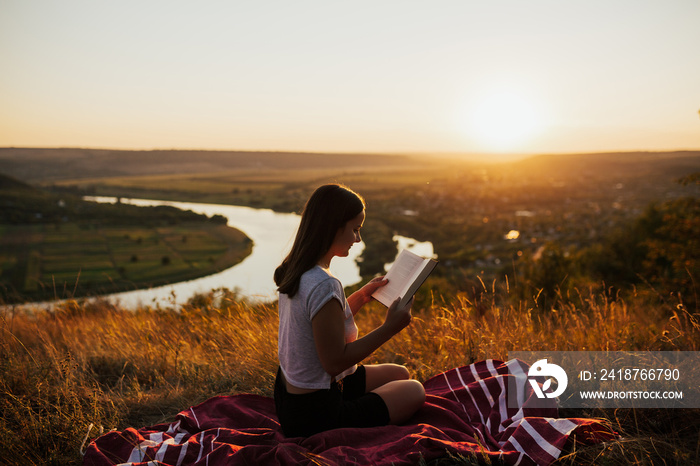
{"x":65,"y":260}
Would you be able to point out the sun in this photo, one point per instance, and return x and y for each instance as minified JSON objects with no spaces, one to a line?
{"x":503,"y":120}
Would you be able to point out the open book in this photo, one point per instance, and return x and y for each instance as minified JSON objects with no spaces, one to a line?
{"x":406,"y":275}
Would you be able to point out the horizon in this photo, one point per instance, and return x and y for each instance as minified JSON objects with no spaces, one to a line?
{"x":502,"y":80}
{"x":426,"y":153}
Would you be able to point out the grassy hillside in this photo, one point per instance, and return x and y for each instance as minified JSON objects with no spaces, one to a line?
{"x":96,"y":365}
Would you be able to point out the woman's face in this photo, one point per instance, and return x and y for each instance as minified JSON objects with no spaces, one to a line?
{"x":348,"y":235}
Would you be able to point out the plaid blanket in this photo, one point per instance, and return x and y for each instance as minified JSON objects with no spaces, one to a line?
{"x":465,"y":414}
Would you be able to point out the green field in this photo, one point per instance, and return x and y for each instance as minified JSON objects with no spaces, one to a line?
{"x":57,"y":245}
{"x":75,"y":259}
{"x":281,"y":190}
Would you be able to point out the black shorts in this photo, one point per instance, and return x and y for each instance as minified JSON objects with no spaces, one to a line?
{"x":345,"y":404}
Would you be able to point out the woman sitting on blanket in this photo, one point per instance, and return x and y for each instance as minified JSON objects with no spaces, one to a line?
{"x":319,"y":384}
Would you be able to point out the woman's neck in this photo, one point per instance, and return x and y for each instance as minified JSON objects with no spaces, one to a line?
{"x":325,"y":261}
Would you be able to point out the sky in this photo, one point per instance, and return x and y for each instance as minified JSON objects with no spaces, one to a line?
{"x":443,"y":76}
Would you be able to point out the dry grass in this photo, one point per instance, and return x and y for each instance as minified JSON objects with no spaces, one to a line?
{"x":96,"y":364}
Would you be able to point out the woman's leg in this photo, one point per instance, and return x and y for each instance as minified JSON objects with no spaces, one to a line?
{"x":377,"y":375}
{"x":402,"y":396}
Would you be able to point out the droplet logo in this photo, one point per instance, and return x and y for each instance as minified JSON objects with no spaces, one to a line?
{"x":551,"y":371}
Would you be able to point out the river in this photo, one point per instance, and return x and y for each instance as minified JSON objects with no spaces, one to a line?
{"x":272,"y":234}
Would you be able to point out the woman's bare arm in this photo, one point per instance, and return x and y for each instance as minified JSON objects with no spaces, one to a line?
{"x":329,"y":335}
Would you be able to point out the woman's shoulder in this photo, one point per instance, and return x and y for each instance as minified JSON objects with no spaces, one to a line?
{"x":317,"y":287}
{"x":318,"y":276}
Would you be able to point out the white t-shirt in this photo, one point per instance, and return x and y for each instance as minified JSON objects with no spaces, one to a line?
{"x":295,"y":346}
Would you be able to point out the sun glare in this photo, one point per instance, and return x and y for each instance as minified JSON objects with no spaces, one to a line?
{"x":504,"y":120}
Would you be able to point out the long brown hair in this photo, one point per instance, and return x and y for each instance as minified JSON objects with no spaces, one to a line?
{"x":328,"y":209}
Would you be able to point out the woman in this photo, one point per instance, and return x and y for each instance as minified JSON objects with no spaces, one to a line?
{"x":319,"y":385}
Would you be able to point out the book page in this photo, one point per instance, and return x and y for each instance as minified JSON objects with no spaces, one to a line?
{"x":400,"y":276}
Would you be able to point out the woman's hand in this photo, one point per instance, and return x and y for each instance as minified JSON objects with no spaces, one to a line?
{"x":397,"y":318}
{"x":364,"y":294}
{"x":372,"y":286}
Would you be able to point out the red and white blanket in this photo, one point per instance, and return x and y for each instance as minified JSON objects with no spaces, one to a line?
{"x":465,"y":414}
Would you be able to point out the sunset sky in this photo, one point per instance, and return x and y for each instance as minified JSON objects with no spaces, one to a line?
{"x":465,"y":76}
